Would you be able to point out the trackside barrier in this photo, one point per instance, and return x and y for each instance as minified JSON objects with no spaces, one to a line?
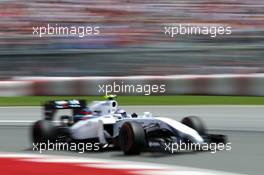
{"x":223,"y":84}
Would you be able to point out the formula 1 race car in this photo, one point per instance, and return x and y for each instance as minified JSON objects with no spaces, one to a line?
{"x":110,"y":126}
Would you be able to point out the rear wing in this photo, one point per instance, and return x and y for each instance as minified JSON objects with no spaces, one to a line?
{"x":50,"y":107}
{"x":64,"y":104}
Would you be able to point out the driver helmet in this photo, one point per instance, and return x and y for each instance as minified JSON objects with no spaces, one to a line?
{"x":121,"y":113}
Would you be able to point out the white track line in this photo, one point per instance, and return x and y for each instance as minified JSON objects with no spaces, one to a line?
{"x":17,"y":121}
{"x":142,"y":106}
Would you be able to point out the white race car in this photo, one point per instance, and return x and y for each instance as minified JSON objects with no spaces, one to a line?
{"x":104,"y":122}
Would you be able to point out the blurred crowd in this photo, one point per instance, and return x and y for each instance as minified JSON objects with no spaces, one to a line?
{"x":136,"y":24}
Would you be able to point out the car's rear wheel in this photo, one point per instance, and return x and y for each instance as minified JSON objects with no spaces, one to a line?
{"x":195,"y":123}
{"x":42,"y":131}
{"x":132,"y":138}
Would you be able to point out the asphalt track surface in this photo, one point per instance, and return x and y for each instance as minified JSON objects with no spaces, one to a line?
{"x":244,"y":126}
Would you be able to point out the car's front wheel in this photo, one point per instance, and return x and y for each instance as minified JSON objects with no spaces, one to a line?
{"x":132,"y":138}
{"x":195,"y":123}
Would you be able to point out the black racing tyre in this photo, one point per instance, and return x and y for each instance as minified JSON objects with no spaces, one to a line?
{"x":42,"y":131}
{"x":132,"y":138}
{"x":195,"y":123}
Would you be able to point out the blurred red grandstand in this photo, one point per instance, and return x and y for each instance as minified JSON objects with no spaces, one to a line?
{"x":132,"y":34}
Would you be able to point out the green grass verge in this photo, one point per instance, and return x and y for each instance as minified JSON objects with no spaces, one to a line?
{"x":141,"y":100}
